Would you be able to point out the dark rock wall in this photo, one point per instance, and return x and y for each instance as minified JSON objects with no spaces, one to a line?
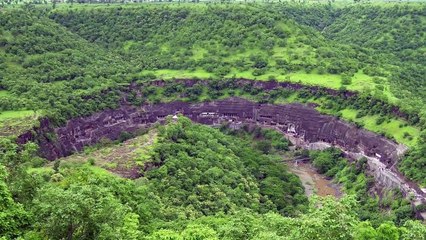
{"x":294,"y":119}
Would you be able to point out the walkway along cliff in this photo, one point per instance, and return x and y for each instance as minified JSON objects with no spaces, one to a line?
{"x":304,"y":125}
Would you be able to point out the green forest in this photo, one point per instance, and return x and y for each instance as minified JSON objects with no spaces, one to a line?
{"x":66,"y":60}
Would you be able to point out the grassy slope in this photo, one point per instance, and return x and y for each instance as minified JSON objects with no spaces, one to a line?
{"x":12,"y":122}
{"x":360,"y":81}
{"x":396,"y":31}
{"x":7,"y":115}
{"x":51,"y":70}
{"x":4,"y":93}
{"x":395,"y":127}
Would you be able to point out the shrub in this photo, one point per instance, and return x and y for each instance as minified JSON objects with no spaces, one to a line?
{"x":124,"y":136}
{"x":56,"y":166}
{"x":271,"y":78}
{"x":346,"y":80}
{"x":361,"y":114}
{"x":380,"y":120}
{"x":91,"y":161}
{"x":258,"y":72}
{"x":264,"y":146}
{"x":421,"y":207}
{"x":407,"y":135}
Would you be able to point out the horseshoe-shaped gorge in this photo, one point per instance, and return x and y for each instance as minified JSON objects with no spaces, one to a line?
{"x":302,"y":124}
{"x":148,"y":120}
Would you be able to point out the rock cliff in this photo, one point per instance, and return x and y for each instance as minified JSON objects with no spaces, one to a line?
{"x":295,"y":119}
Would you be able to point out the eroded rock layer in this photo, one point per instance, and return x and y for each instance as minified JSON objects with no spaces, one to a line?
{"x":295,"y":119}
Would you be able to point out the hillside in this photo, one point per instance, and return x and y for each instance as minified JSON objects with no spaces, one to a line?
{"x":99,"y":47}
{"x":250,"y":41}
{"x":374,"y":53}
{"x":45,"y":67}
{"x":398,"y":32}
{"x":92,"y":85}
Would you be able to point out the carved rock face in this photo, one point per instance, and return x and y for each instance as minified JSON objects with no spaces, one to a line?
{"x":295,"y":119}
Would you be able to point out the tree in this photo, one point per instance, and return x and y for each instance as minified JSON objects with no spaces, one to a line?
{"x":82,"y":212}
{"x":387,"y":231}
{"x":129,"y":230}
{"x":199,"y":232}
{"x":413,"y":230}
{"x":12,"y":215}
{"x":364,"y":231}
{"x":328,"y":219}
{"x":16,"y":162}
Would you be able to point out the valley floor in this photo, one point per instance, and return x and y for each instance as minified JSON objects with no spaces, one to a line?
{"x":313,"y":182}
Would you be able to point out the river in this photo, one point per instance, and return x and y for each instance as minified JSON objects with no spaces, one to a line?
{"x":313,"y":182}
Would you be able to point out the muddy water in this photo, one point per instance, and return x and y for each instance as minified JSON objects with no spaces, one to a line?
{"x":314,"y":182}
